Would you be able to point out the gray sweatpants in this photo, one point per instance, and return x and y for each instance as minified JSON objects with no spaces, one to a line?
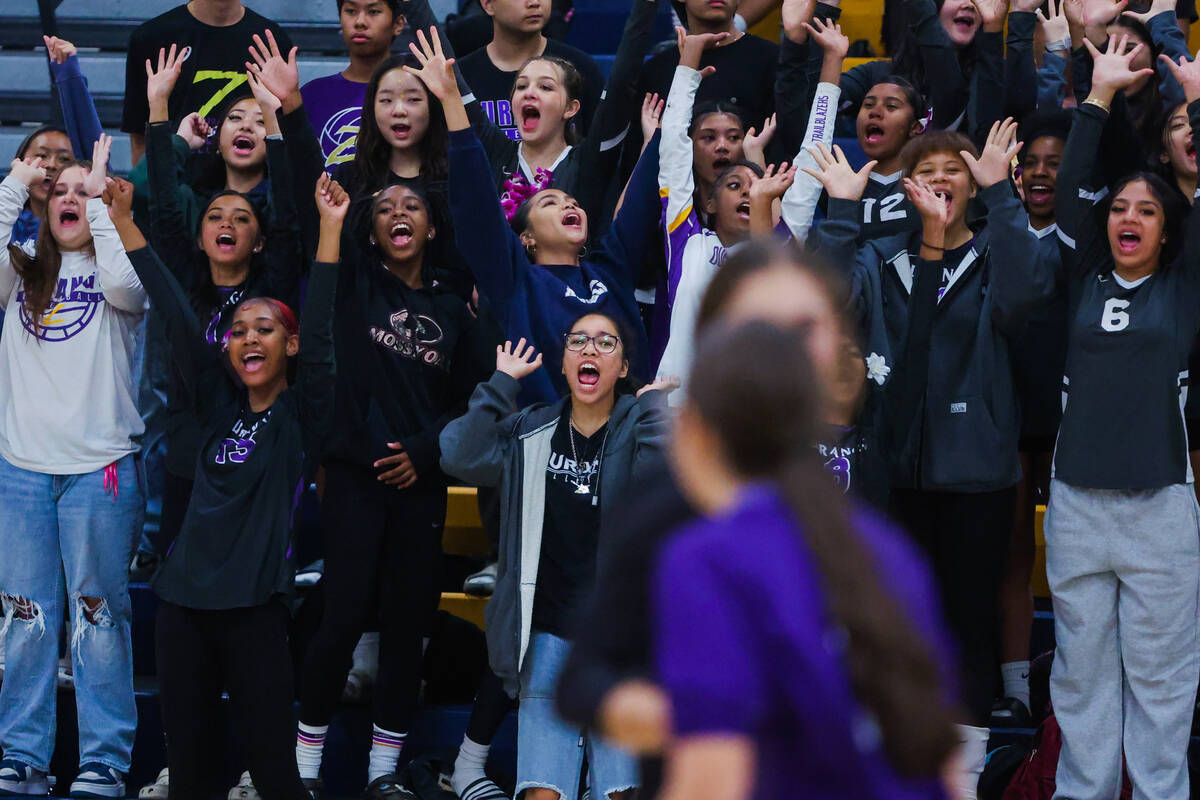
{"x":1124,"y":572}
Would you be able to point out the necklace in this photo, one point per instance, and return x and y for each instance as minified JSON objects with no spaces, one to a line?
{"x":580,"y":486}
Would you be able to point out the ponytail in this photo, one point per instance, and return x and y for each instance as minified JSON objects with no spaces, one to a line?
{"x":766,"y":427}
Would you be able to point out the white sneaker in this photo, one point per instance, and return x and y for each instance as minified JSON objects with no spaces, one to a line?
{"x":159,"y":789}
{"x":244,"y":790}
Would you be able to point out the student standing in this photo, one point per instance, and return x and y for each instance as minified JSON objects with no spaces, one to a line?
{"x":71,"y":492}
{"x":516,"y":38}
{"x":334,"y":102}
{"x":215,"y":35}
{"x":1123,"y":533}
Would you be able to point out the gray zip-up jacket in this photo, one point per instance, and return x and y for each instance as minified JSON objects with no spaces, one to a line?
{"x":491,"y":445}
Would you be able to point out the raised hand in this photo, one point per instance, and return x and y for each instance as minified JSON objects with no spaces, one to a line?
{"x":1188,"y":75}
{"x":754,"y":145}
{"x":796,"y":14}
{"x":691,"y":46}
{"x":994,"y":162}
{"x":161,"y":82}
{"x":332,"y":200}
{"x":195,"y":130}
{"x":934,"y":211}
{"x":519,"y":361}
{"x":266,"y":99}
{"x":1055,"y":27}
{"x":652,"y":108}
{"x":118,"y":196}
{"x":828,"y":34}
{"x":278,"y":74}
{"x":58,"y":49}
{"x":992,"y":12}
{"x":400,"y":471}
{"x":664,"y":383}
{"x":1073,"y":9}
{"x":1112,"y":70}
{"x":773,"y":184}
{"x":1156,"y":7}
{"x":834,"y":172}
{"x":436,"y":71}
{"x":95,"y":181}
{"x":27,"y":171}
{"x":1102,"y":12}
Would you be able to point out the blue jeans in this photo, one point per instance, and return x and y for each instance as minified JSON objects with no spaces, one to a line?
{"x":550,"y":750}
{"x":68,"y":537}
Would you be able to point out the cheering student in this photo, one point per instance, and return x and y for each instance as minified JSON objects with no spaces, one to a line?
{"x":562,"y":468}
{"x":71,"y":491}
{"x":1122,"y":534}
{"x":942,"y":304}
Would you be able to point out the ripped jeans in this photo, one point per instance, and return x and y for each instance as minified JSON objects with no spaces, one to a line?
{"x":68,"y":539}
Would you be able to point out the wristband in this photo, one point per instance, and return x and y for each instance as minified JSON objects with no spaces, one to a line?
{"x":1100,"y":104}
{"x":932,"y":246}
{"x":1063,"y":45}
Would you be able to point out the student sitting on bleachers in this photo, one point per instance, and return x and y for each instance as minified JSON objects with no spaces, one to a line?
{"x":334,"y":102}
{"x":216,"y":35}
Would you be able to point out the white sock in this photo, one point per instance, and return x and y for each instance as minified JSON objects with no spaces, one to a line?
{"x":385,"y":752}
{"x":468,"y":767}
{"x":366,"y":655}
{"x":310,"y":743}
{"x":972,"y":758}
{"x":1016,"y":680}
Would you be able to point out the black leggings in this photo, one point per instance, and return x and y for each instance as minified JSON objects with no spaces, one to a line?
{"x":245,"y":651}
{"x":966,"y":539}
{"x":383,"y":549}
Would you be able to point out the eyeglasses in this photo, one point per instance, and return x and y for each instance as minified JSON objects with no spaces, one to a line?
{"x":606,"y":343}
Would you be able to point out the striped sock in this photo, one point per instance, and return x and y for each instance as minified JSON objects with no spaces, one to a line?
{"x":385,"y":752}
{"x":310,"y":743}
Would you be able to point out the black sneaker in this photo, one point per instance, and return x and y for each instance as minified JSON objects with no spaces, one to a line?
{"x":1011,"y":713}
{"x":388,"y":787}
{"x":315,"y":787}
{"x":482,"y":583}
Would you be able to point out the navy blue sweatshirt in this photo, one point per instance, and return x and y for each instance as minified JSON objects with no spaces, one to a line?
{"x":540,"y":301}
{"x":949,"y":324}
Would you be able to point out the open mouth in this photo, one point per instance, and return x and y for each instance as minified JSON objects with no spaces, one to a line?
{"x":243,"y":145}
{"x":253,"y":362}
{"x":964,"y":21}
{"x":1190,"y":149}
{"x":721,"y":163}
{"x":872,"y":133}
{"x":945,"y":196}
{"x":1041,"y":194}
{"x":400,"y":130}
{"x":743,"y":209}
{"x":225,"y":241}
{"x":589,"y":374}
{"x":68,"y":218}
{"x":531,"y":115}
{"x":572,"y":219}
{"x":401,"y":234}
{"x":1128,"y":241}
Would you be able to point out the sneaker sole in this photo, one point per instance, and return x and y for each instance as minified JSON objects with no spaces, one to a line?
{"x":97,"y":792}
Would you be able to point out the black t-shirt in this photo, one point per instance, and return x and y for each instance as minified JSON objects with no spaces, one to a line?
{"x":230,"y":453}
{"x":745,"y":76}
{"x":886,"y":210}
{"x":952,"y":260}
{"x":570,"y":532}
{"x":493,"y":88}
{"x":215,"y":68}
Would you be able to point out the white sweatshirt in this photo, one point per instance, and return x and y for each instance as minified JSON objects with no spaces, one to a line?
{"x":67,"y":395}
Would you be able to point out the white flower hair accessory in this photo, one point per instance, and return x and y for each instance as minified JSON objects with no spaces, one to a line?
{"x":877,"y":368}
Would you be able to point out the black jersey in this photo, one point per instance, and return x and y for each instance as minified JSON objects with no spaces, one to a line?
{"x":1127,"y":362}
{"x":886,"y":209}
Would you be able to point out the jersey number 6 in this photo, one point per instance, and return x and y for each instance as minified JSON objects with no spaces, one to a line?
{"x":1115,"y":317}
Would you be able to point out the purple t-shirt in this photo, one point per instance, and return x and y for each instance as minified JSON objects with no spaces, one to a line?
{"x":334,"y":107}
{"x":744,"y":645}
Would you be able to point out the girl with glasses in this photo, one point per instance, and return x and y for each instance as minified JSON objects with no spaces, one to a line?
{"x":561,"y":468}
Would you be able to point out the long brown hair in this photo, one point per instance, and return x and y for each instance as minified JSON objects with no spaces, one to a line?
{"x":755,"y":386}
{"x":39,"y":272}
